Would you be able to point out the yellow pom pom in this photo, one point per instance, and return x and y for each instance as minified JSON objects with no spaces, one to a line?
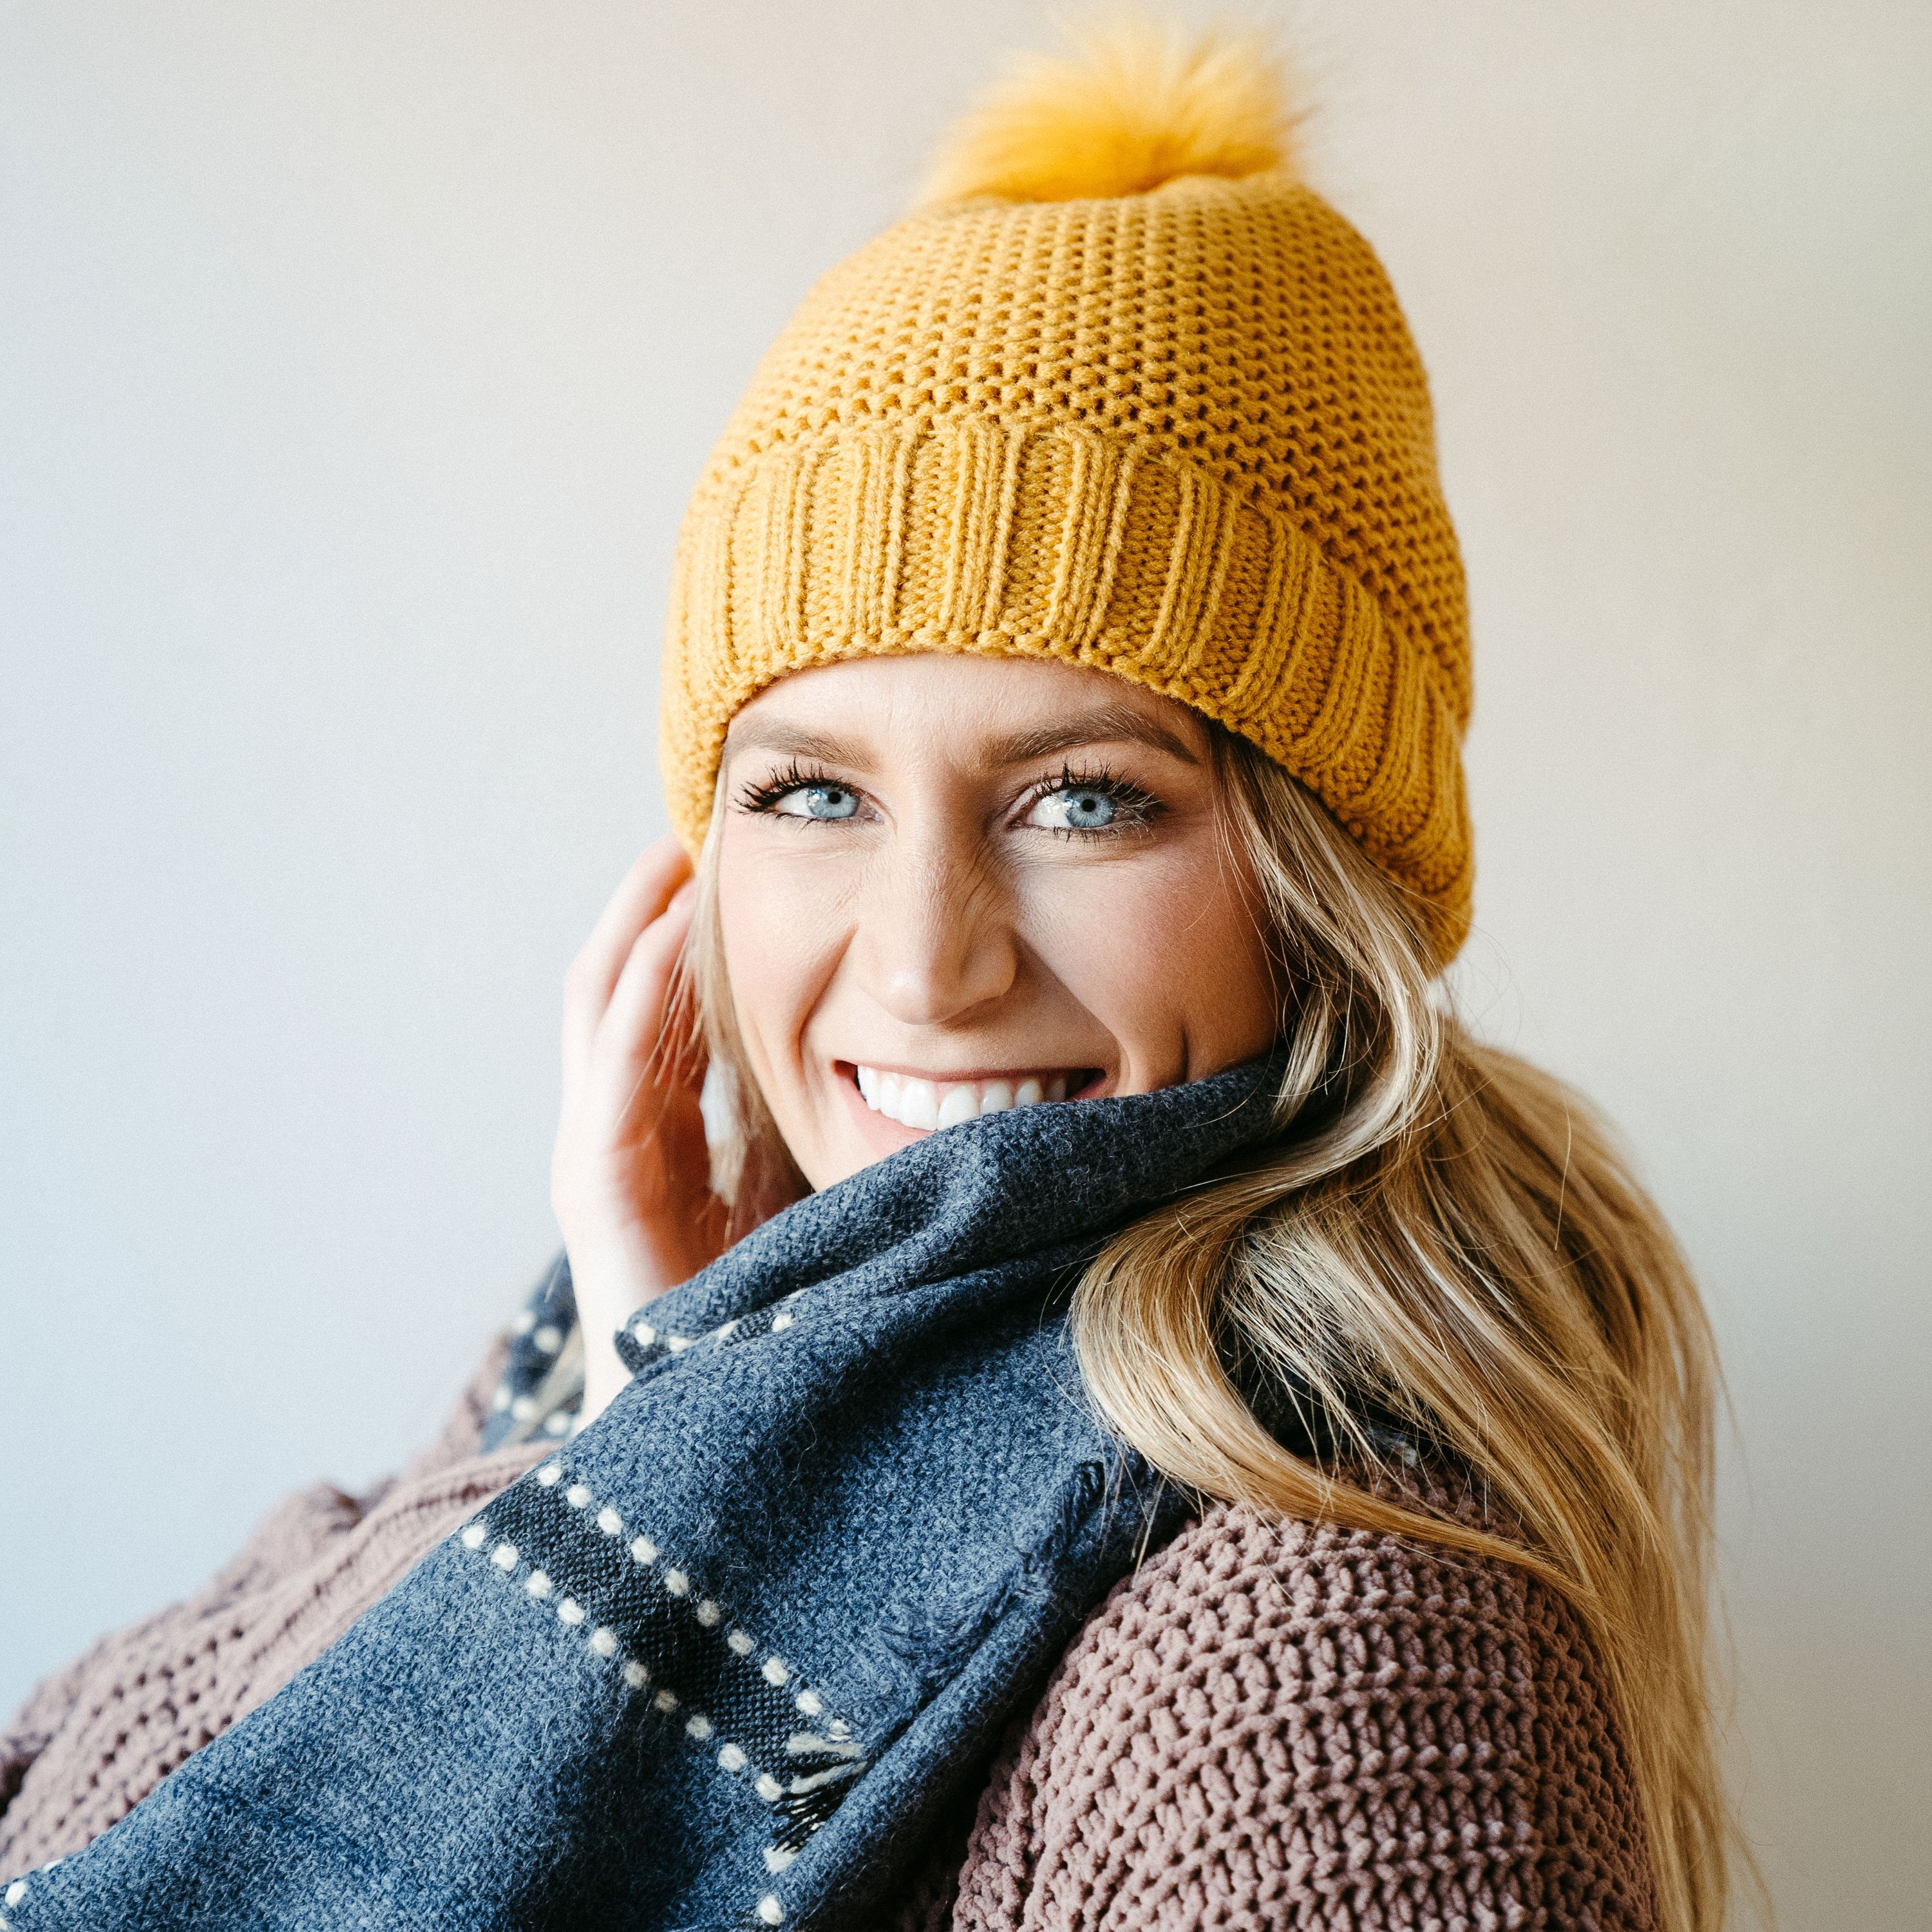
{"x":1137,"y":104}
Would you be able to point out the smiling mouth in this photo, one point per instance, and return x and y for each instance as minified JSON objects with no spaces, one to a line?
{"x":916,"y":1102}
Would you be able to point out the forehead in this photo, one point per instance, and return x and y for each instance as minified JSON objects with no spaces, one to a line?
{"x":957,"y":701}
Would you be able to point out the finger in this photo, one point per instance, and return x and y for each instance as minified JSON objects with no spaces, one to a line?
{"x":647,"y":888}
{"x":634,"y":1022}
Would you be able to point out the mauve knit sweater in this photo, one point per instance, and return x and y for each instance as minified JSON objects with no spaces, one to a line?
{"x":1268,"y":1724}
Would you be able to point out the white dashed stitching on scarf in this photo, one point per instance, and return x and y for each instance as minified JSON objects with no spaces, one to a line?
{"x":604,"y":1643}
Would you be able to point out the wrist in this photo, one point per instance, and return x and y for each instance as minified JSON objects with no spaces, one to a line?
{"x":614,"y":1275}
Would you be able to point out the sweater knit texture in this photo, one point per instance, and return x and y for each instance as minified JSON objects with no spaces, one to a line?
{"x":1269,"y":1724}
{"x":1180,"y":435}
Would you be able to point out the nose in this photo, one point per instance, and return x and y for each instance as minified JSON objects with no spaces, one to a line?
{"x":935,"y":942}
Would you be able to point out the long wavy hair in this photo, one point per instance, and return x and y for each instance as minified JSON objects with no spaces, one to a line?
{"x":1436,"y":1233}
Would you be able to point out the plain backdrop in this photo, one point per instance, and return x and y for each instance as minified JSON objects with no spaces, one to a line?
{"x":355,"y":359}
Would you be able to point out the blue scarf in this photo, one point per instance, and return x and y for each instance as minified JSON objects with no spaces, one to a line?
{"x":725,"y":1657}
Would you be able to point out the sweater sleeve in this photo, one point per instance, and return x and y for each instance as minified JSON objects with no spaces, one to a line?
{"x":94,"y":1739}
{"x":1297,"y":1725}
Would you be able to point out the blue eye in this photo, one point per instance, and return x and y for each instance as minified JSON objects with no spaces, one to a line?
{"x":1098,"y":803}
{"x":801,"y":793}
{"x":817,"y":801}
{"x":1075,"y":808}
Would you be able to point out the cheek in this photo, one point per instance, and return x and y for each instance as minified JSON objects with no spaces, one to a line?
{"x":1165,"y":952}
{"x":780,"y":925}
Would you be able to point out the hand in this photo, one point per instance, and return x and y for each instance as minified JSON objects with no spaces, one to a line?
{"x":630,"y":1179}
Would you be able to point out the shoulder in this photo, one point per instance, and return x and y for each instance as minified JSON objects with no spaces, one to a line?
{"x":1290,"y":1723}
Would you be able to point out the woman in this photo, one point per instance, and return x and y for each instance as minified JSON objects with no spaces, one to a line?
{"x":1124,"y":1414}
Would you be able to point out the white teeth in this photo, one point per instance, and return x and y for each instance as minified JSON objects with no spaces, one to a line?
{"x":914,"y":1102}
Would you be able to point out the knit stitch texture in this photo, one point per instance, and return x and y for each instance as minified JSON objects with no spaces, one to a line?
{"x":1269,"y":1725}
{"x":1285,"y":1724}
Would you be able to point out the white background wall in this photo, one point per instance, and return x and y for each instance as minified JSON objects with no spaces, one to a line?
{"x":355,"y":361}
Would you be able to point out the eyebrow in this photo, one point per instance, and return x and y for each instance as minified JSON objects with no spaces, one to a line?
{"x":791,"y":741}
{"x":1104,"y":724}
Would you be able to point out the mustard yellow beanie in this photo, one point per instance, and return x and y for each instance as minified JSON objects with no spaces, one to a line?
{"x":1122,"y":392}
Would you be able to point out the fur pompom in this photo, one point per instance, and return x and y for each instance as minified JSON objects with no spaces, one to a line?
{"x":1138,"y":103}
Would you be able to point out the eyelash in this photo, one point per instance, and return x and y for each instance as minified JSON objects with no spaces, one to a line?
{"x":795,"y":777}
{"x":1140,"y":806}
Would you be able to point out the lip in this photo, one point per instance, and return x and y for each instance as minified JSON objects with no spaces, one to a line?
{"x":884,"y":1137}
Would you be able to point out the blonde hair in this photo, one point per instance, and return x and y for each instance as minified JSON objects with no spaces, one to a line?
{"x":1438,"y":1233}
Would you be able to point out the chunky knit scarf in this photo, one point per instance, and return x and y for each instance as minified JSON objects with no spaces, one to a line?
{"x":722,"y":1657}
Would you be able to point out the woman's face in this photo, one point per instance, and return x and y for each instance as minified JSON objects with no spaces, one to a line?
{"x":950,"y":884}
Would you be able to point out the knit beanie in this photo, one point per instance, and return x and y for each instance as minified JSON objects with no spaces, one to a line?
{"x":1122,"y":392}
